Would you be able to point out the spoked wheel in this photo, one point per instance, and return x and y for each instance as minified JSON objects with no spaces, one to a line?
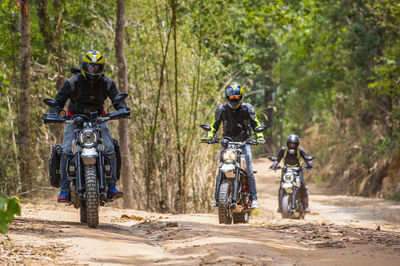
{"x":285,"y":204}
{"x":83,"y":212}
{"x":91,"y":201}
{"x":224,"y":213}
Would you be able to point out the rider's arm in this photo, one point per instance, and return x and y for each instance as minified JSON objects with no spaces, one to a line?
{"x":254,"y":122}
{"x":112,"y":92}
{"x":63,"y":95}
{"x":216,"y":122}
{"x":280,"y":154}
{"x":303,"y":154}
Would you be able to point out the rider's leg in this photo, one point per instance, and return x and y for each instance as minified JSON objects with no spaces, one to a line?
{"x":112,"y":192}
{"x":251,"y":181}
{"x":69,"y":136}
{"x":303,"y":191}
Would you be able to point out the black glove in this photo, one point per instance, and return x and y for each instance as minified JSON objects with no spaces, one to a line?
{"x":274,"y":165}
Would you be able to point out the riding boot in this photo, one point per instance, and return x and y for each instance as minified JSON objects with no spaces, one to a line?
{"x":112,"y":192}
{"x":64,"y":195}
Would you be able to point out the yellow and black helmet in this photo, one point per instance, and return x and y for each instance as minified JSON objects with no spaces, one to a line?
{"x":92,"y":65}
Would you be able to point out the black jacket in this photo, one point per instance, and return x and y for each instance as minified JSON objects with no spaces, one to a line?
{"x":292,"y":159}
{"x":84,"y":98}
{"x":237,"y":122}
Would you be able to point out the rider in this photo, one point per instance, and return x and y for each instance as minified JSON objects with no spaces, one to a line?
{"x":237,"y":118}
{"x":87,"y":92}
{"x":291,"y":157}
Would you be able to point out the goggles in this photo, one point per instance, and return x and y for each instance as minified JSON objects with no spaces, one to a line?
{"x":234,"y":97}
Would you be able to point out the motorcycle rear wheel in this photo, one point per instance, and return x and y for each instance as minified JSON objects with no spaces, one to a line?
{"x":285,"y":204}
{"x":241,"y":217}
{"x":92,"y":197}
{"x":224,"y":213}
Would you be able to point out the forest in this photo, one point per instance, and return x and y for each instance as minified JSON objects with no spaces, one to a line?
{"x":325,"y":70}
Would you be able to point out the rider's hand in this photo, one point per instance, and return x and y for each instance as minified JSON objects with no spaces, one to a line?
{"x":55,"y":110}
{"x":309,"y":165}
{"x":274,"y":165}
{"x":206,"y":139}
{"x":260,"y":141}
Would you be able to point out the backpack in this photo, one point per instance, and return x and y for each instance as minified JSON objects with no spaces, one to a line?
{"x":54,"y":165}
{"x":118,"y":158}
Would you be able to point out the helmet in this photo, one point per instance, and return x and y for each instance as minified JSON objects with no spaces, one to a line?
{"x":234,"y":95}
{"x":92,"y":65}
{"x":293,"y":142}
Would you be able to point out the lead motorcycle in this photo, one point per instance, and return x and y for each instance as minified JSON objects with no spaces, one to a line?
{"x":234,"y":197}
{"x":88,"y":168}
{"x":291,"y":201}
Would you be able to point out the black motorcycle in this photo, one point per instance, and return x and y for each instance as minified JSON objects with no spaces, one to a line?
{"x":234,"y":197}
{"x":88,"y":168}
{"x":291,"y":201}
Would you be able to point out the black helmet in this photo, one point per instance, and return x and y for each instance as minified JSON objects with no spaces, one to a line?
{"x":234,"y":95}
{"x":293,"y":141}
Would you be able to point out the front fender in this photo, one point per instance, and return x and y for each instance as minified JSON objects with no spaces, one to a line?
{"x":89,"y":155}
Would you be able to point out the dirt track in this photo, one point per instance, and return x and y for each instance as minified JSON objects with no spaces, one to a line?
{"x":340,"y":230}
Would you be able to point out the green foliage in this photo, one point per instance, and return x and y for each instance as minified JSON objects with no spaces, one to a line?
{"x":8,"y":208}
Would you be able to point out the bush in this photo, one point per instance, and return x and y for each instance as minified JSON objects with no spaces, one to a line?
{"x":8,"y":208}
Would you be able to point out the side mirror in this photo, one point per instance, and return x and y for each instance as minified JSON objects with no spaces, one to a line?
{"x":120,"y":97}
{"x":50,"y":102}
{"x":205,"y":127}
{"x":259,"y":129}
{"x":75,"y":70}
{"x":272,"y":158}
{"x":309,"y":158}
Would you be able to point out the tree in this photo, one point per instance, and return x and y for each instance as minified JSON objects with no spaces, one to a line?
{"x":24,"y":134}
{"x":126,"y":170}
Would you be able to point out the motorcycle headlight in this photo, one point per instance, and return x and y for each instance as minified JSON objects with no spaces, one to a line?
{"x":87,"y":138}
{"x":288,"y":177}
{"x":229,"y":156}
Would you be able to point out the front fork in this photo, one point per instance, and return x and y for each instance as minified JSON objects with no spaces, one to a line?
{"x":235,"y":186}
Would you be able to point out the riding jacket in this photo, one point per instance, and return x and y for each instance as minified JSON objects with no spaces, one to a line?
{"x":86,"y":98}
{"x":237,"y":122}
{"x":292,"y":159}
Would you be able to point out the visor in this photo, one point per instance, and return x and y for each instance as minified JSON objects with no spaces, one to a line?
{"x":92,"y":68}
{"x":234,"y":97}
{"x":292,"y":144}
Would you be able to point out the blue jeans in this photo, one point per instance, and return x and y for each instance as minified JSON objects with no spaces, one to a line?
{"x":69,"y":136}
{"x":251,"y":181}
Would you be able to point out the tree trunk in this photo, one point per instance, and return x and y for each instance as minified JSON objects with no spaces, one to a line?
{"x":126,"y":171}
{"x":25,"y":101}
{"x":42,"y":11}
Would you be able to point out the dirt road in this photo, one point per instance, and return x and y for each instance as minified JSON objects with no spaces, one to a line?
{"x":341,"y":230}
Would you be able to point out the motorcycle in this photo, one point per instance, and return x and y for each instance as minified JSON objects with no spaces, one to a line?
{"x":88,"y":168}
{"x":234,"y":197}
{"x":291,"y":201}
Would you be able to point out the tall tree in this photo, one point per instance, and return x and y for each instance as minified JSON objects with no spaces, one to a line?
{"x":124,"y":123}
{"x":25,"y":100}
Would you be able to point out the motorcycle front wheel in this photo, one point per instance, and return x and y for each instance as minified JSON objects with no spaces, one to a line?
{"x":225,"y":193}
{"x":92,"y":198}
{"x":285,"y":204}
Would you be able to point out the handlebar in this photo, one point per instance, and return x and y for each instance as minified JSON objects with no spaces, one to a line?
{"x":241,"y":143}
{"x":52,"y":118}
